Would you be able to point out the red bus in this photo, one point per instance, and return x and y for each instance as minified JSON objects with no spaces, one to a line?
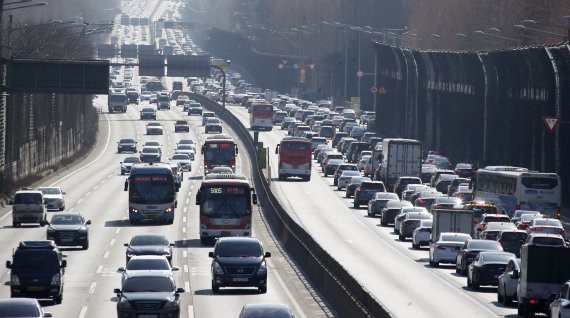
{"x":294,"y":158}
{"x":219,"y":151}
{"x":225,"y":202}
{"x":261,"y":116}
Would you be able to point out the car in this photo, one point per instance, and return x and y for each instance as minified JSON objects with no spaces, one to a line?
{"x":148,"y":113}
{"x":28,"y":206}
{"x":353,"y":184}
{"x":519,"y":213}
{"x":361,"y":163}
{"x":560,"y":306}
{"x":410,"y":221}
{"x":259,"y":310}
{"x":454,"y":186}
{"x":486,"y":268}
{"x":345,"y":178}
{"x":186,"y":142}
{"x":545,"y":239}
{"x":239,"y":262}
{"x":525,"y":220}
{"x":366,"y":191}
{"x":445,"y":248}
{"x":391,"y":210}
{"x":326,"y":131}
{"x":181,"y":125}
{"x":287,"y":121}
{"x":487,"y":218}
{"x":300,"y":130}
{"x":422,"y":234}
{"x":441,"y":162}
{"x":331,"y":166}
{"x":493,"y":229}
{"x":22,"y":307}
{"x":341,"y":168}
{"x":427,"y":198}
{"x":35,"y":264}
{"x":435,"y":175}
{"x":68,"y":229}
{"x":183,"y":160}
{"x":193,"y":108}
{"x":149,"y":244}
{"x":149,"y":294}
{"x":315,"y":141}
{"x":508,"y":282}
{"x":427,"y":172}
{"x":337,"y":137}
{"x":469,"y":251}
{"x":150,"y":154}
{"x":465,"y":170}
{"x":181,"y":99}
{"x":512,"y":240}
{"x":145,"y":95}
{"x":132,"y":96}
{"x":444,"y":202}
{"x":546,"y":225}
{"x":410,"y":189}
{"x":443,"y":181}
{"x":213,"y":125}
{"x":128,"y":163}
{"x":206,"y":115}
{"x":153,"y":143}
{"x":279,"y":116}
{"x":53,"y":198}
{"x":126,"y":145}
{"x":146,"y":263}
{"x":188,"y":149}
{"x":154,"y":128}
{"x":379,"y":201}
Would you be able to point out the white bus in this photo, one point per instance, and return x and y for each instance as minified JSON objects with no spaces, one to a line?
{"x":514,"y":188}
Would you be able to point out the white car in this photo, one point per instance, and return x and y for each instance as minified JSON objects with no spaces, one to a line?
{"x":508,"y":282}
{"x":188,"y":149}
{"x":158,"y":263}
{"x":402,"y":215}
{"x":379,"y":201}
{"x":345,"y":178}
{"x":128,"y":163}
{"x":154,"y":128}
{"x":560,"y":307}
{"x":183,"y":160}
{"x":422,"y":234}
{"x":446,"y":248}
{"x":53,"y":197}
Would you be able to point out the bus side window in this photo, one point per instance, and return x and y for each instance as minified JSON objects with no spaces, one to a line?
{"x":198,"y":197}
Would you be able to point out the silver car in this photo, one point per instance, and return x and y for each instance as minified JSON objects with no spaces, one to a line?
{"x":53,"y":198}
{"x":422,"y":234}
{"x":446,"y":247}
{"x":146,"y":263}
{"x":508,"y":282}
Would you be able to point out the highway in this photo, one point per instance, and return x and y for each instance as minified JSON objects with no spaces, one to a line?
{"x":397,"y":275}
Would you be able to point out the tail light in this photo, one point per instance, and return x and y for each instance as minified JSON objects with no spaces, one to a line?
{"x":517,"y":207}
{"x":523,"y":225}
{"x":438,"y":206}
{"x":358,"y":190}
{"x":482,"y":225}
{"x":501,"y":242}
{"x":457,"y":171}
{"x":532,"y":301}
{"x":558,"y":213}
{"x":559,"y":230}
{"x":421,"y":201}
{"x":473,"y":171}
{"x":449,"y":164}
{"x":536,"y":228}
{"x":472,"y":254}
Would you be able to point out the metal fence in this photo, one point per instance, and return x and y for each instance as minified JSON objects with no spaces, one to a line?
{"x":480,"y":107}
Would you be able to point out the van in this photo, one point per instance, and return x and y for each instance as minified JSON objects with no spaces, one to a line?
{"x":39,"y":268}
{"x":28,"y":206}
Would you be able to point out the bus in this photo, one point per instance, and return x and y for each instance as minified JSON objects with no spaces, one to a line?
{"x":219,"y":151}
{"x":261,"y":116}
{"x":152,"y":193}
{"x":294,"y":158}
{"x":515,"y":188}
{"x":225,"y":202}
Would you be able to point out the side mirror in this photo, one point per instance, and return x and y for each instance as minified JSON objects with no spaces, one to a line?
{"x":120,"y":270}
{"x":211,"y":254}
{"x":126,"y":185}
{"x":175,"y":269}
{"x":126,"y":244}
{"x":267,"y":254}
{"x":277,"y":150}
{"x":43,"y":223}
{"x":8,"y":264}
{"x":63,"y":193}
{"x":515,"y":274}
{"x":117,"y":291}
{"x":180,"y":290}
{"x":254,"y":198}
{"x":172,"y":244}
{"x":236,"y":150}
{"x":88,"y":222}
{"x":64,"y":264}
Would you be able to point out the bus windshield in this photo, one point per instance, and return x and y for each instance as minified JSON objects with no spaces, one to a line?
{"x":262,"y":108}
{"x":221,"y":153}
{"x":222,"y":201}
{"x":151,"y":189}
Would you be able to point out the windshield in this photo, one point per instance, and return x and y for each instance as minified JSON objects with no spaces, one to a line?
{"x":132,"y":160}
{"x":225,"y":201}
{"x":185,"y":147}
{"x":180,"y":157}
{"x":553,"y":241}
{"x":148,"y":284}
{"x":148,"y":110}
{"x":238,"y":249}
{"x":150,"y":150}
{"x":144,"y":240}
{"x":127,"y":141}
{"x":50,"y":190}
{"x":66,"y":220}
{"x":499,"y":258}
{"x":34,"y":259}
{"x":484,"y":245}
{"x":147,"y":264}
{"x":548,"y":222}
{"x":28,"y":198}
{"x":151,"y":189}
{"x":16,"y":310}
{"x":220,"y":154}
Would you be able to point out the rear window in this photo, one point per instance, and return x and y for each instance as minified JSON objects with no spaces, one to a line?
{"x":484,"y":245}
{"x":539,"y":182}
{"x":553,"y":241}
{"x":548,"y":222}
{"x":496,"y":219}
{"x":498,"y":258}
{"x":513,"y":237}
{"x":372,"y":186}
{"x":295,"y":146}
{"x":19,"y":310}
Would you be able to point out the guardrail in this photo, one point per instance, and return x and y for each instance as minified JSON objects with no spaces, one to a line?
{"x":345,"y":294}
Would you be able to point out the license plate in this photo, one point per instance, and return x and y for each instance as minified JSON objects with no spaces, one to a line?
{"x":35,"y":288}
{"x":295,"y":167}
{"x":147,"y":316}
{"x":225,"y":233}
{"x":240,"y":279}
{"x":66,"y":240}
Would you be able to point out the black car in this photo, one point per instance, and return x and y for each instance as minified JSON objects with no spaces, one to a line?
{"x":486,"y":268}
{"x":239,"y":262}
{"x":39,"y":267}
{"x":469,"y":251}
{"x":126,"y":145}
{"x":258,"y":310}
{"x":149,"y":294}
{"x":337,"y":137}
{"x":149,"y":244}
{"x":365,"y":192}
{"x":23,"y":307}
{"x":512,"y":241}
{"x":181,"y":125}
{"x":465,"y":170}
{"x":133,"y":97}
{"x":194,"y":109}
{"x":68,"y":229}
{"x":150,"y":154}
{"x":148,"y":113}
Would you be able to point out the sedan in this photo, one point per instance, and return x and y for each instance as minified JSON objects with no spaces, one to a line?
{"x":508,"y":282}
{"x":560,"y":307}
{"x":193,"y":108}
{"x":181,"y":125}
{"x":411,"y":221}
{"x":128,"y":163}
{"x":183,"y":160}
{"x":149,"y":244}
{"x":545,"y":239}
{"x":150,"y":154}
{"x":148,"y":113}
{"x":149,"y":294}
{"x":422,"y":234}
{"x":53,"y":197}
{"x":188,"y":149}
{"x":353,"y":184}
{"x":469,"y":251}
{"x":68,"y":229}
{"x":552,"y":226}
{"x":154,"y":128}
{"x":266,"y":310}
{"x":22,"y":307}
{"x":446,"y":247}
{"x":379,"y":201}
{"x":486,"y":268}
{"x":213,"y":125}
{"x":146,"y":263}
{"x":126,"y":144}
{"x":345,"y":178}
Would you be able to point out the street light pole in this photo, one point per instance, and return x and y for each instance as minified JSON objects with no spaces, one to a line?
{"x":223,"y":82}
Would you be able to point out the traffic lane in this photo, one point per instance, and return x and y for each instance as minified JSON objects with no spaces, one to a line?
{"x":405,"y":286}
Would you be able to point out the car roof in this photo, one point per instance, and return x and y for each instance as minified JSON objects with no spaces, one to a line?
{"x":238,"y":239}
{"x":148,"y":257}
{"x":151,"y":273}
{"x":535,"y":234}
{"x":150,"y":234}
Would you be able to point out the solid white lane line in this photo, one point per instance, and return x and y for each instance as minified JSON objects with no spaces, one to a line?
{"x":92,"y":287}
{"x":83,"y":312}
{"x":99,"y":269}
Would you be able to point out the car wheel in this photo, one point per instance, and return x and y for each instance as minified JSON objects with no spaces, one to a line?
{"x":85,"y":246}
{"x":415,"y":246}
{"x":15,"y":224}
{"x":326,"y":175}
{"x":474,"y":285}
{"x":401,"y":237}
{"x":338,"y":188}
{"x":356,"y":205}
{"x":499,"y":296}
{"x":215,"y":288}
{"x":57,"y":299}
{"x":262,"y":289}
{"x":468,"y":282}
{"x":335,"y":181}
{"x":457,"y":269}
{"x":382,"y":221}
{"x":507,"y":301}
{"x":122,"y":173}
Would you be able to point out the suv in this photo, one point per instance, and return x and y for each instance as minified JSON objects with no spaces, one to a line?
{"x":54,"y":198}
{"x":402,"y":182}
{"x":37,"y":269}
{"x":239,"y":262}
{"x":365,"y":192}
{"x":181,"y":125}
{"x":28,"y":206}
{"x":205,"y":116}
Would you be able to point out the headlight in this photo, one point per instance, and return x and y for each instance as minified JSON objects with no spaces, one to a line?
{"x":218,"y":269}
{"x":50,"y":231}
{"x":124,"y":303}
{"x":171,"y":304}
{"x":133,"y":210}
{"x":262,"y":269}
{"x":56,"y":279}
{"x":168,"y":210}
{"x":14,"y":280}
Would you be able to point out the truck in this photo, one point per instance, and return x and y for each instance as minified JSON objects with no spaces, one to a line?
{"x":544,"y":269}
{"x":400,"y":157}
{"x":117,"y":102}
{"x":452,"y":220}
{"x":376,"y":159}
